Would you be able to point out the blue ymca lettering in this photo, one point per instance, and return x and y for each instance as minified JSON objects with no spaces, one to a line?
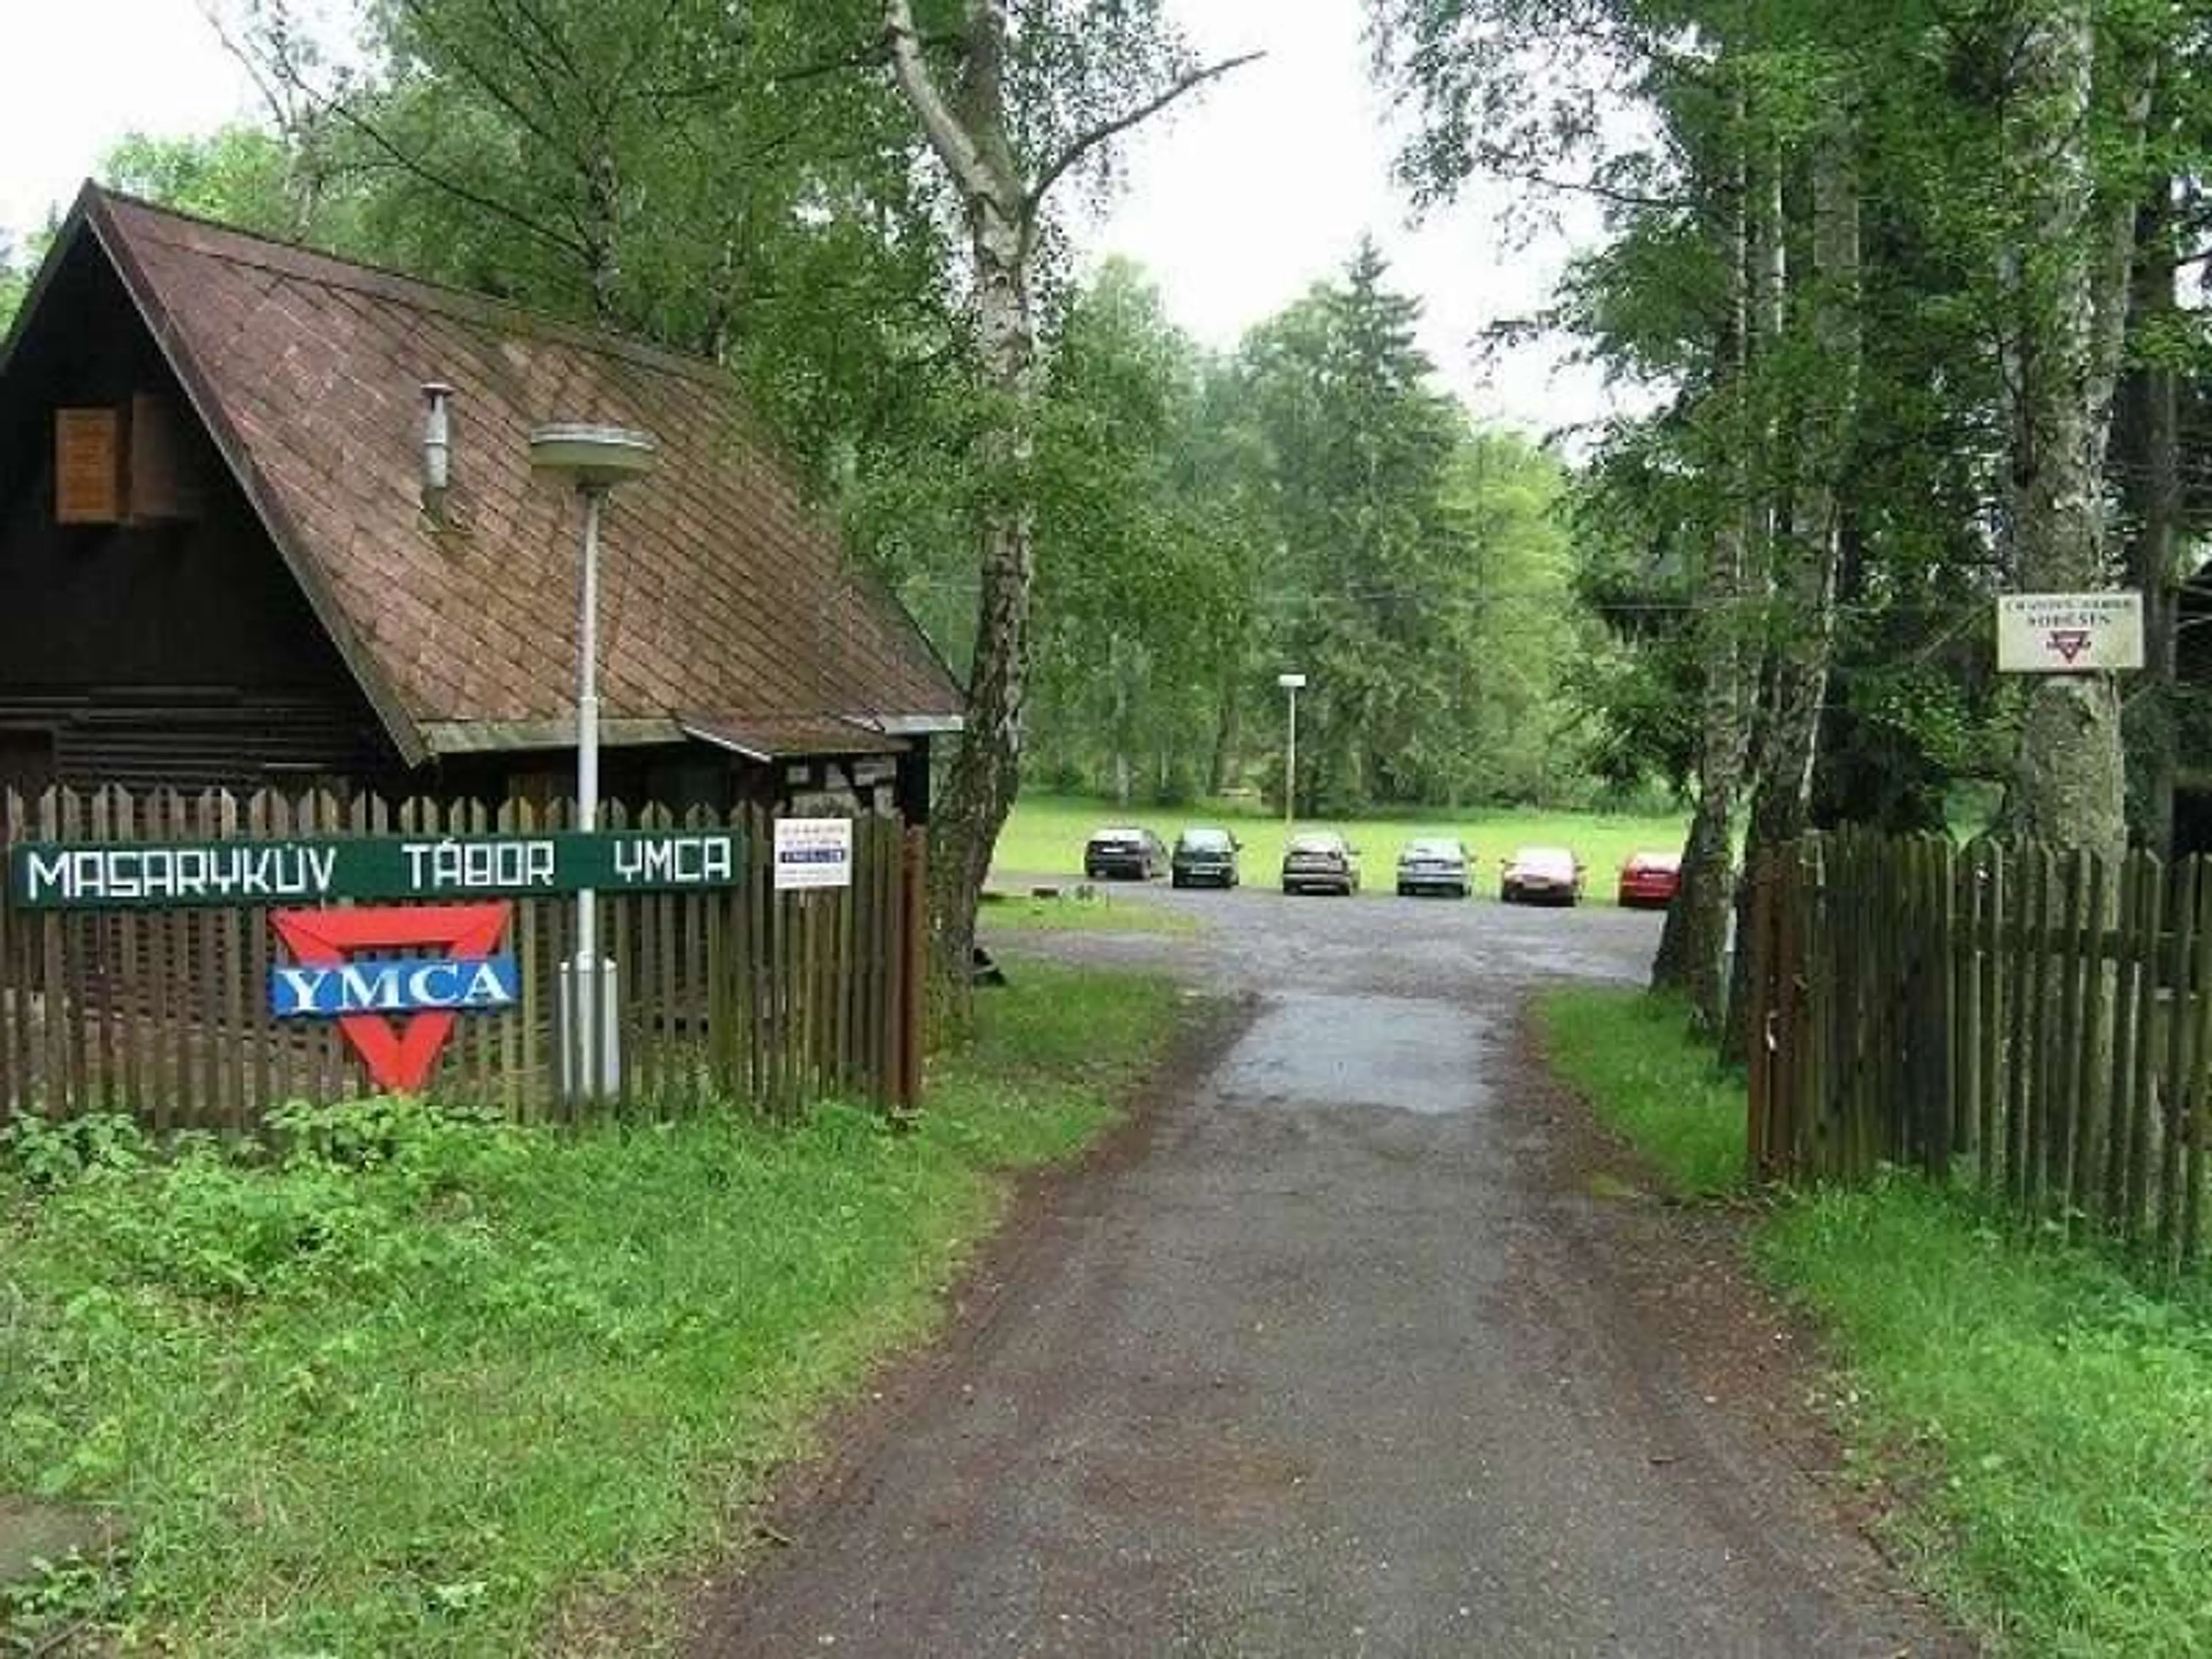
{"x":382,"y":987}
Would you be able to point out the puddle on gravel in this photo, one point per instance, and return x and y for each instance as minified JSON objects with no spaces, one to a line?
{"x":1392,"y":1052}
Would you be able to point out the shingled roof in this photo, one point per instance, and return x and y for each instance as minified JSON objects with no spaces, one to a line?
{"x":728,"y":610}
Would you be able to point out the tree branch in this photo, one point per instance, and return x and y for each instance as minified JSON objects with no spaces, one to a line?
{"x":247,"y":61}
{"x":951,"y":142}
{"x":437,"y":180}
{"x":488,"y":83}
{"x":1085,"y":143}
{"x":1614,"y":195}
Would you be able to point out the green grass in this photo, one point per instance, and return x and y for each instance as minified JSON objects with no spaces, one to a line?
{"x":1045,"y":835}
{"x":429,"y":1384}
{"x":2049,"y":1423}
{"x":2043,"y":1424}
{"x":1630,"y":1058}
{"x":1094,"y":911}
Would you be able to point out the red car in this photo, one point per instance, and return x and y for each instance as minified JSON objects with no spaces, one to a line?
{"x":1651,"y":880}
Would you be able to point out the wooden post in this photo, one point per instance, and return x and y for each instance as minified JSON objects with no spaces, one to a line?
{"x":2196,"y":1003}
{"x":2173,"y":1080}
{"x":2107,"y":1171}
{"x":2064,"y":1105}
{"x":1758,"y":1027}
{"x":914,"y":967}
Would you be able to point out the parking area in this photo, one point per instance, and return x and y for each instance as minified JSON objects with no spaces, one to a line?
{"x":1259,"y":938}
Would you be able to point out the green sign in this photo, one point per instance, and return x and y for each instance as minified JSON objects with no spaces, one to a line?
{"x":122,"y":876}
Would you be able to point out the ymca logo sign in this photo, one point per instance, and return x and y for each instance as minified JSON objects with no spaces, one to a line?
{"x":397,"y":1013}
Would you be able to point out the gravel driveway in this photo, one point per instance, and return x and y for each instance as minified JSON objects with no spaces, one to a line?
{"x":1346,"y":1349}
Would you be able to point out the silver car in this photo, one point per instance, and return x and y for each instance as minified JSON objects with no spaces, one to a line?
{"x":1435,"y":865}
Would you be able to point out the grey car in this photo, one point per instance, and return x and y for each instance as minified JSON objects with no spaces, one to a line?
{"x":1321,"y":861}
{"x":1435,"y":864}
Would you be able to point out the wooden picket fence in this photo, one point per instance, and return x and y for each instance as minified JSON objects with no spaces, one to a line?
{"x":2034,"y":1024}
{"x":738,"y":994}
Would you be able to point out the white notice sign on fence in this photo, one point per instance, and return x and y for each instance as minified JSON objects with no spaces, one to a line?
{"x":2069,"y":633}
{"x":813,"y":852}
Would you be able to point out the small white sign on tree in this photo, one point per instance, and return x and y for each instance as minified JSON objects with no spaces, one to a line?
{"x":2069,"y":633}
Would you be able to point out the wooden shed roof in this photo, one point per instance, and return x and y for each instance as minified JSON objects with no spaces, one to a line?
{"x":721,"y":589}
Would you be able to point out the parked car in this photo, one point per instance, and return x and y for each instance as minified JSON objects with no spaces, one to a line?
{"x":1204,"y":855}
{"x":1435,"y":865}
{"x":1124,"y":853}
{"x":1542,"y":875}
{"x":1321,"y":861}
{"x":1651,"y":880}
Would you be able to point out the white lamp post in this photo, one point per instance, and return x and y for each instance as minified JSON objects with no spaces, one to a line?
{"x":1291,"y":684}
{"x":593,"y":459}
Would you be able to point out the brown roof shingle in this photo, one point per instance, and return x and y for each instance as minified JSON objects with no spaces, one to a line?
{"x":721,"y":588}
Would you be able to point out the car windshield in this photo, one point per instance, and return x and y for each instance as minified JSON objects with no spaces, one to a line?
{"x":1206,"y":841}
{"x":1118,"y":835}
{"x":1544,"y":858}
{"x":1316,"y":844}
{"x":1433,"y":849}
{"x":1656,"y":861}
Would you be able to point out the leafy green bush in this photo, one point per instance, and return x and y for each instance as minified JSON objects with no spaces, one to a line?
{"x":46,"y":1154}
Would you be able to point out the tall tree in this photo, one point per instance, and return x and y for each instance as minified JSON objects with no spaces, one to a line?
{"x":1363,"y":450}
{"x":1011,"y":100}
{"x":2067,"y":271}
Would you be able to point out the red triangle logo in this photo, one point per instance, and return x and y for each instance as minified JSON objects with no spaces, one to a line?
{"x":400,"y":1053}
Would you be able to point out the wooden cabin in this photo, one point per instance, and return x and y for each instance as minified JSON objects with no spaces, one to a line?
{"x":227,"y":564}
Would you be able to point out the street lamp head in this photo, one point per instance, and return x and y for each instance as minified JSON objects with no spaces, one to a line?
{"x":593,"y":457}
{"x":1291,"y":682}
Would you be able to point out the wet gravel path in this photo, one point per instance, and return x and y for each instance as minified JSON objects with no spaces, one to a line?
{"x":1344,"y":1354}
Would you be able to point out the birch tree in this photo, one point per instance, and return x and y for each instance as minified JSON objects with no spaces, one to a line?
{"x":1012,"y":98}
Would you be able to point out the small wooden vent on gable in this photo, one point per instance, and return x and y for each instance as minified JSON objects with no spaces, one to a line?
{"x":128,"y":464}
{"x":88,"y":465}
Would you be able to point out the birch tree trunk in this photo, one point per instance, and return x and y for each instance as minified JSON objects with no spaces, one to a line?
{"x":2069,"y":783}
{"x":967,"y":128}
{"x":970,"y":130}
{"x":1696,"y":931}
{"x":1804,"y":649}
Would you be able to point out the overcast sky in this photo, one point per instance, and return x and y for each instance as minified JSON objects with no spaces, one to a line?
{"x":1236,"y":203}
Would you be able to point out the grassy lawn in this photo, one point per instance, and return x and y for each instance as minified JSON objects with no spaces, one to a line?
{"x":1098,"y":910}
{"x":1627,"y":1055}
{"x":2046,"y":1422}
{"x":1046,"y":833}
{"x":426,"y":1385}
